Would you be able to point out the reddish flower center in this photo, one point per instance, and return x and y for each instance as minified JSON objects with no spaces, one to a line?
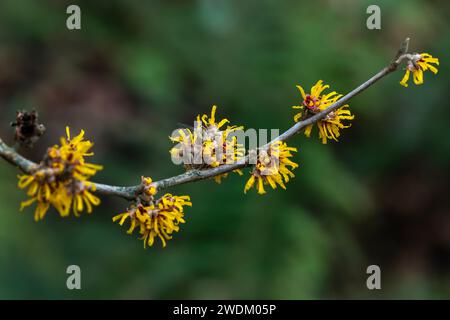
{"x":312,"y":103}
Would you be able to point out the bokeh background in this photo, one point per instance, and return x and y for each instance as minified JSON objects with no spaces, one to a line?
{"x":139,"y":68}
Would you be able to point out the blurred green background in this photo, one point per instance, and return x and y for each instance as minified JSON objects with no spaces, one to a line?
{"x":137,"y":69}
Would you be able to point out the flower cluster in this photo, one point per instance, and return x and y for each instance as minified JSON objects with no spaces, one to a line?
{"x":417,"y":65}
{"x":208,"y":145}
{"x":62,"y":179}
{"x":273,"y":167}
{"x":159,"y":218}
{"x":317,"y":101}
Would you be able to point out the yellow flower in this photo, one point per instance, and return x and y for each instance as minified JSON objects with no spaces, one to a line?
{"x":273,"y":167}
{"x":160,"y":218}
{"x":317,"y":101}
{"x":62,"y":179}
{"x":39,"y":189}
{"x":417,"y":65}
{"x":211,"y":122}
{"x":208,"y":145}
